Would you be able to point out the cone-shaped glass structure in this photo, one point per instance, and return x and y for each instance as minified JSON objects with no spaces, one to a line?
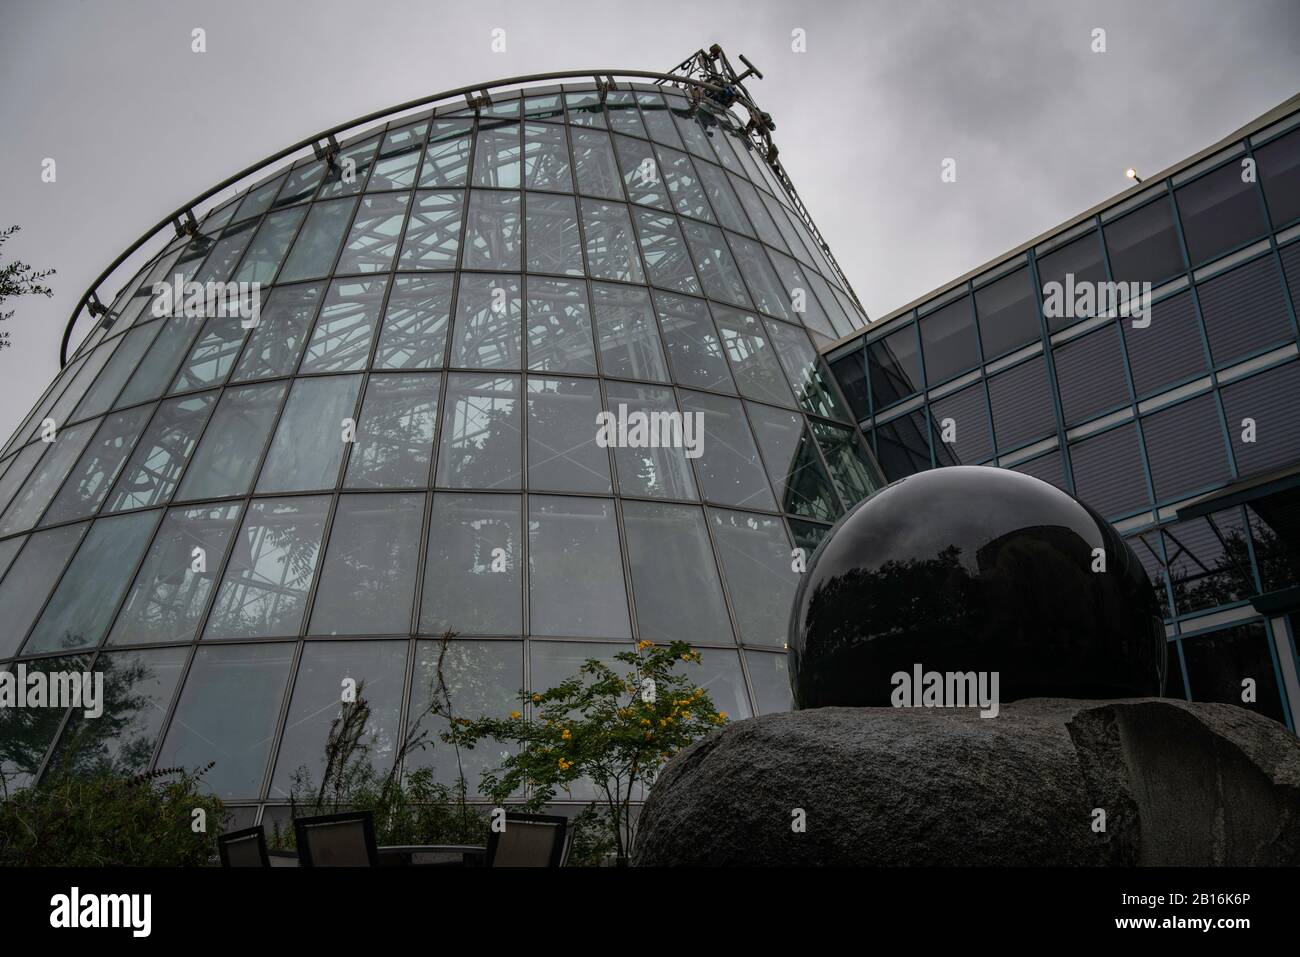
{"x":231,"y":518}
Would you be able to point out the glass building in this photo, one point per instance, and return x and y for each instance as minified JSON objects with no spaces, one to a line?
{"x":228,"y":520}
{"x":1182,"y":427}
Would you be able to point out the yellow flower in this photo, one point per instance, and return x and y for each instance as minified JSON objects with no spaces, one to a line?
{"x":722,"y":716}
{"x":686,"y":716}
{"x":567,"y":735}
{"x":515,"y":715}
{"x":699,"y":693}
{"x":644,"y":644}
{"x":537,"y":698}
{"x":645,"y":721}
{"x":565,"y":765}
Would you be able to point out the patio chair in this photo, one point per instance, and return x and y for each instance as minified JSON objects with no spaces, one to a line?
{"x":244,"y":848}
{"x":529,"y":840}
{"x":336,"y":840}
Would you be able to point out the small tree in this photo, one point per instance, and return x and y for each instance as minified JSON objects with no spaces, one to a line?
{"x":19,"y":279}
{"x":616,"y":730}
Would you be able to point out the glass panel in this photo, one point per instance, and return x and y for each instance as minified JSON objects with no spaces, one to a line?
{"x":368,"y":579}
{"x":492,"y":236}
{"x":226,"y":253}
{"x":415,"y":323}
{"x":227,"y":714}
{"x":479,"y":679}
{"x":372,"y":241}
{"x":1174,"y":354}
{"x":546,"y":158}
{"x":155,"y":372}
{"x":399,"y":158}
{"x":348,"y":175}
{"x":300,"y":185}
{"x":28,"y":582}
{"x":585,"y":109}
{"x":761,"y":277}
{"x":713,"y":260}
{"x":554,"y":243}
{"x":657,"y":471}
{"x":1279,"y":174}
{"x":723,"y":198}
{"x":20,"y":467}
{"x":172,"y":588}
{"x":496,"y":155}
{"x":1185,"y":448}
{"x":853,"y":471}
{"x":1090,"y":375}
{"x":641,"y":176}
{"x":277,"y":342}
{"x":472,"y":575}
{"x":657,"y":118}
{"x":544,"y":108}
{"x":214,"y":353}
{"x":1143,"y":246}
{"x":269,"y":246}
{"x":1081,"y":259}
{"x":902,"y":446}
{"x":377,"y":670}
{"x":82,"y":606}
{"x":1021,"y":399}
{"x":394,"y":442}
{"x":46,"y":478}
{"x":629,"y":340}
{"x":231,"y":448}
{"x":480,"y":433}
{"x":446,"y":161}
{"x":1245,"y":311}
{"x":687,"y":193}
{"x":138,"y":688}
{"x":563,"y":417}
{"x":621,"y":107}
{"x":757,"y":213}
{"x":694,"y":348}
{"x":801,"y":483}
{"x":1008,"y":315}
{"x":678,"y":592}
{"x":850,"y":371}
{"x":270,"y":571}
{"x":611,"y":250}
{"x":729,"y":468}
{"x":594,"y":166}
{"x":756,"y":561}
{"x":99,"y":398}
{"x":756,"y":367}
{"x":258,"y":200}
{"x":960,"y":425}
{"x":1219,"y":662}
{"x":1270,"y":399}
{"x":770,"y":677}
{"x":489,"y":323}
{"x":719,"y":674}
{"x":1109,"y":473}
{"x":559,"y":326}
{"x":575,"y":571}
{"x":308,"y":445}
{"x":160,"y":457}
{"x":96,"y":470}
{"x":345,"y":327}
{"x":664,"y":248}
{"x":29,"y":732}
{"x":433,"y":234}
{"x":1219,"y":212}
{"x":812,"y":383}
{"x":948,"y":342}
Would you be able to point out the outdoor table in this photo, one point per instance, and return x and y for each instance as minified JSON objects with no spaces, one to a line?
{"x":426,"y":855}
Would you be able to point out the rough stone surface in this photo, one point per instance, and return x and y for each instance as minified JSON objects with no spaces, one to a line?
{"x":1181,"y":783}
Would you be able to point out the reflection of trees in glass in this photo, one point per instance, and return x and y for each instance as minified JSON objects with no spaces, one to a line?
{"x":1201,"y":582}
{"x":26,"y":733}
{"x":1278,"y":559}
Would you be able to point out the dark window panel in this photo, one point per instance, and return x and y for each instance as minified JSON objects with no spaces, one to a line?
{"x":1219,"y":212}
{"x":790,"y":454}
{"x":851,"y":373}
{"x":1008,"y":314}
{"x":855,"y":475}
{"x":1185,"y":448}
{"x":627,"y":335}
{"x":1108,"y":472}
{"x":262,"y":261}
{"x":446,"y":158}
{"x":1276,"y":555}
{"x":1245,"y":311}
{"x":473,"y":581}
{"x":1270,"y":399}
{"x":87,"y":486}
{"x":1217,"y":664}
{"x":715,"y":264}
{"x":641,"y":173}
{"x":1049,"y":468}
{"x":1021,"y":398}
{"x":480,"y":443}
{"x":694,"y":348}
{"x":155,"y":468}
{"x":29,"y":580}
{"x":278,"y":341}
{"x":416,"y":317}
{"x":489,"y":323}
{"x":1090,"y":375}
{"x":29,"y":732}
{"x":433,"y":234}
{"x":806,"y":372}
{"x":1279,"y":174}
{"x":1209,"y":561}
{"x":497,"y":155}
{"x":376,"y":231}
{"x":902,"y":447}
{"x":46,"y":478}
{"x":663,"y":247}
{"x":611,"y":245}
{"x":559,"y":326}
{"x":948,"y":342}
{"x":1143,"y":245}
{"x":895,"y":366}
{"x":554,"y":242}
{"x":546,"y":158}
{"x":493,"y":233}
{"x":394,"y":437}
{"x":1169,"y":351}
{"x":971,"y":438}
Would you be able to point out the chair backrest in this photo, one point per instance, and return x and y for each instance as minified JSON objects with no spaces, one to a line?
{"x":529,"y":840}
{"x":246,"y":848}
{"x":336,"y":840}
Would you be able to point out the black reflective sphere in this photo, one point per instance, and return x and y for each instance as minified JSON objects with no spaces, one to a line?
{"x":974,"y":569}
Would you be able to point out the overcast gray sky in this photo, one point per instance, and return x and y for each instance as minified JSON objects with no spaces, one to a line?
{"x":1040,"y":125}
